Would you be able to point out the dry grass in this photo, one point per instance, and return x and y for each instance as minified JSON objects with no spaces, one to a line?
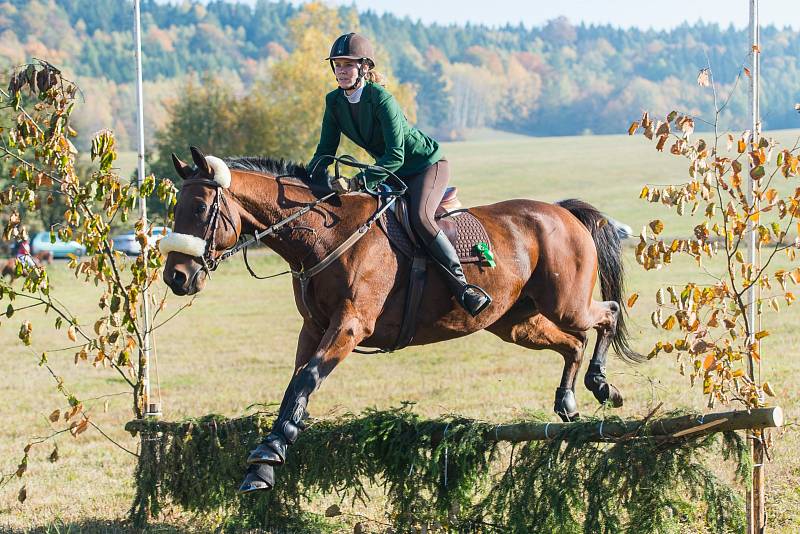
{"x":235,"y":347}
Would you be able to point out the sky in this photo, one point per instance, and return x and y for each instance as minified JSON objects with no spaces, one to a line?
{"x":658,"y":14}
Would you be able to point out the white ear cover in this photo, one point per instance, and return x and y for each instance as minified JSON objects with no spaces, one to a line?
{"x":222,"y":174}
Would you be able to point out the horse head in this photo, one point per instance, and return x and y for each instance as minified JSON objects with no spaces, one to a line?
{"x":205,"y":224}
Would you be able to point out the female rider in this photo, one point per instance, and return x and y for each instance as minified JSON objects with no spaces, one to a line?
{"x":363,"y":110}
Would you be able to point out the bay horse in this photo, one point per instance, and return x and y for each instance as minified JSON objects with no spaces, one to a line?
{"x":548,"y":260}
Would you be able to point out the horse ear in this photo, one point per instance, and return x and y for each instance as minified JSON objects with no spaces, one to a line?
{"x":200,"y":160}
{"x":183,"y":170}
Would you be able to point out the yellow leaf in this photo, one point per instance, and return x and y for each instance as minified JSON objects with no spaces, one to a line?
{"x":634,"y":126}
{"x":767,"y":389}
{"x":737,"y":373}
{"x":656,"y":226}
{"x":669,"y":323}
{"x":72,"y":411}
{"x":660,"y":296}
{"x":82,"y":426}
{"x":632,"y":300}
{"x":740,"y":146}
{"x":771,"y":194}
{"x":709,"y":363}
{"x":762,"y":334}
{"x":646,"y":191}
{"x":71,"y":333}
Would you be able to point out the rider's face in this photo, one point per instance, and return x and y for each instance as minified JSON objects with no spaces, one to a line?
{"x":346,"y":71}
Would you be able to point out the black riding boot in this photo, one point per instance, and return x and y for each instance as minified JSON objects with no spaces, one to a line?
{"x":472,"y":298}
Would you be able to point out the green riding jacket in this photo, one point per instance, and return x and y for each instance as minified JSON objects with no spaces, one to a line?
{"x":382,"y":130}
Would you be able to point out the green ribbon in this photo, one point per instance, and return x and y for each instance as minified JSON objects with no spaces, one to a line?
{"x":485,"y":253}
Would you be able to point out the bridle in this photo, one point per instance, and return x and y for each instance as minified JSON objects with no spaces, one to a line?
{"x":210,"y":263}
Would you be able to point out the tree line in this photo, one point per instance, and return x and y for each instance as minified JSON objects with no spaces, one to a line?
{"x":556,"y":79}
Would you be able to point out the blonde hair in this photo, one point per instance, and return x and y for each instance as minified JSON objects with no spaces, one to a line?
{"x":375,"y":77}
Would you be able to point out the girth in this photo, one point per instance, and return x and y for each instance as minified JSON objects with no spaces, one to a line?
{"x":464,"y":231}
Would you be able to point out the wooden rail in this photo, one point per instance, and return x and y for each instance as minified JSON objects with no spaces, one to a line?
{"x":674,"y":427}
{"x":610,"y":430}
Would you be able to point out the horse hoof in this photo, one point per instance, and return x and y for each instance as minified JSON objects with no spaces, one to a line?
{"x":565,"y":406}
{"x":264,"y":454}
{"x":614,"y":396}
{"x":569,"y":417}
{"x":258,"y":478}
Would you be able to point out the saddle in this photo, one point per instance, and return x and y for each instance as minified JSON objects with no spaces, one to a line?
{"x":462,"y":228}
{"x":464,"y":231}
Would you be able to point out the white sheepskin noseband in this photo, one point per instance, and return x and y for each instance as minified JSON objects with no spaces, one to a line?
{"x":222,"y":174}
{"x":185,"y":243}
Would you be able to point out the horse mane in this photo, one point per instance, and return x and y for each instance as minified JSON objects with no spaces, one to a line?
{"x":279,"y":168}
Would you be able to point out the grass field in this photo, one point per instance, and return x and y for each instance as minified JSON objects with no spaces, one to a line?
{"x":235,"y":346}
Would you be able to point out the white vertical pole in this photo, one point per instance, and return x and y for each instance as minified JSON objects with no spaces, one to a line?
{"x":755,"y":127}
{"x":756,"y":513}
{"x":137,"y":34}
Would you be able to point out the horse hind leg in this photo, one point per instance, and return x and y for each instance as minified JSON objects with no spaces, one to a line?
{"x":595,"y":378}
{"x":538,"y":333}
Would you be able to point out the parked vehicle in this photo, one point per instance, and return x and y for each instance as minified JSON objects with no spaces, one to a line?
{"x":60,"y":249}
{"x":127,"y":243}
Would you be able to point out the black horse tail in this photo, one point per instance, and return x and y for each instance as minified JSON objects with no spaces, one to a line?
{"x":609,"y":259}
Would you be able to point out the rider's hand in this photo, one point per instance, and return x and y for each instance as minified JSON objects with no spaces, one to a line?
{"x":343,"y":184}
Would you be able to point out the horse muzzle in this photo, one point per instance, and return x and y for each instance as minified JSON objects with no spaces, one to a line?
{"x":182,"y":273}
{"x":185,"y":277}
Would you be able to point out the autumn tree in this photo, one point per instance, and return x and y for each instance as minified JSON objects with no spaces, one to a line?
{"x":40,"y":165}
{"x":706,"y":326}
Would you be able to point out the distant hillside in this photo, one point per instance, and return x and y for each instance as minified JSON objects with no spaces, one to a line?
{"x":556,"y":79}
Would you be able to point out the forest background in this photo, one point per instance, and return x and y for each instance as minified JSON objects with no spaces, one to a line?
{"x":555,"y":79}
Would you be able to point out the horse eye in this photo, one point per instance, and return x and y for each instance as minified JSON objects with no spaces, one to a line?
{"x":201,"y":209}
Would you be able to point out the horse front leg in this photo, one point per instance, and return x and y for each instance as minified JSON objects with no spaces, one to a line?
{"x":312,"y":365}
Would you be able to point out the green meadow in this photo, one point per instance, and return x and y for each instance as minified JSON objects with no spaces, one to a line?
{"x":235,"y":346}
